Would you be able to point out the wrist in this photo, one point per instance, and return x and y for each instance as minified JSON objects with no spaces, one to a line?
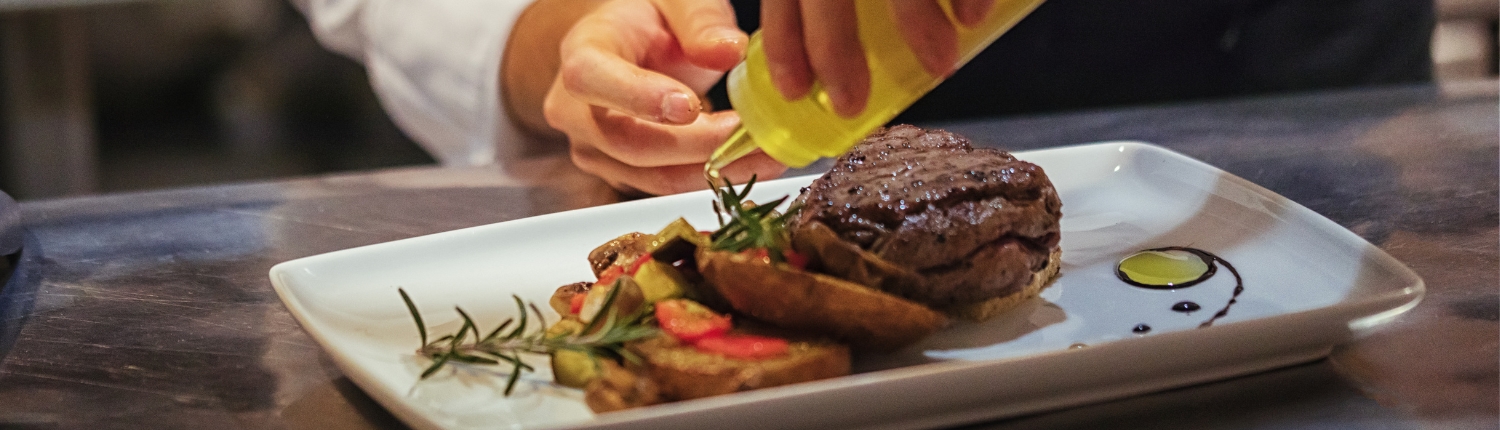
{"x":531,"y":59}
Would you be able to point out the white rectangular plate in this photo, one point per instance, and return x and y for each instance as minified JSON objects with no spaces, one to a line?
{"x":1308,"y":285}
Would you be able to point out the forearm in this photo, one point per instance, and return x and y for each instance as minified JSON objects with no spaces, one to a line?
{"x":531,"y":59}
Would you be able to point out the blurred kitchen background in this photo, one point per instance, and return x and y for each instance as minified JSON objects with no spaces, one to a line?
{"x":108,"y":96}
{"x":117,"y":95}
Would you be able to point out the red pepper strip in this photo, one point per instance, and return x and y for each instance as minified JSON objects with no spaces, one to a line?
{"x":609,"y":275}
{"x":743,"y":346}
{"x":636,"y":266}
{"x":576,"y":303}
{"x":689,"y":321}
{"x":615,"y":271}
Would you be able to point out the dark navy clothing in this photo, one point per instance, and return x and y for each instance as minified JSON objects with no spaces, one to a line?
{"x":1077,"y":54}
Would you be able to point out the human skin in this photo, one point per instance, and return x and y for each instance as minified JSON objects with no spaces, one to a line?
{"x":625,"y":84}
{"x":807,"y":41}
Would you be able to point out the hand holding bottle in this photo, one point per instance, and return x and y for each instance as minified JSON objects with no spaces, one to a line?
{"x":627,"y":90}
{"x":856,"y":77}
{"x":627,"y":93}
{"x":807,"y":41}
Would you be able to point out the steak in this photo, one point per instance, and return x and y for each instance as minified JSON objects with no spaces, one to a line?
{"x":972,"y":223}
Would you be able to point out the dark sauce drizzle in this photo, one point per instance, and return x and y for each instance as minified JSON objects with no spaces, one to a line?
{"x":1214,"y":261}
{"x":1186,"y":307}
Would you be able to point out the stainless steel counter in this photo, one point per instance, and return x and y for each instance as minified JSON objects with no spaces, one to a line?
{"x":153,"y":310}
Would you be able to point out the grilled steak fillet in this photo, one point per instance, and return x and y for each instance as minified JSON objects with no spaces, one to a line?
{"x":973,"y":223}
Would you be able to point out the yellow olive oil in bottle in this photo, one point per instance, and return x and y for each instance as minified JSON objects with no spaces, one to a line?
{"x":798,"y":132}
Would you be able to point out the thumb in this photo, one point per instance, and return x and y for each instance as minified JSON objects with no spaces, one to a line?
{"x":707,"y":31}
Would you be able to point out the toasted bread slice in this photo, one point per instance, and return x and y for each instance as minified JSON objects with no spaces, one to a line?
{"x":682,"y":372}
{"x":619,"y":388}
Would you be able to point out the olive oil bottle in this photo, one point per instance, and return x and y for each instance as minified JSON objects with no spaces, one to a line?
{"x":798,"y":132}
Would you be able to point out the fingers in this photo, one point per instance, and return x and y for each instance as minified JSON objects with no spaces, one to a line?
{"x":707,"y":31}
{"x":650,"y":60}
{"x":781,"y":38}
{"x":632,"y":154}
{"x":758,"y":165}
{"x":625,"y":93}
{"x":833,"y":50}
{"x":972,"y":12}
{"x":929,"y":34}
{"x":603,"y":78}
{"x":674,"y":179}
{"x":807,"y":41}
{"x":635,"y":141}
{"x":645,"y":144}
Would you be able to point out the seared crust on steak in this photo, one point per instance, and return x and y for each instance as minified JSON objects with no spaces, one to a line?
{"x":989,"y":308}
{"x":973,"y":223}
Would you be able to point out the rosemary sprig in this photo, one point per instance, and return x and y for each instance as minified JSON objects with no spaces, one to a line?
{"x":750,"y":225}
{"x":605,"y":336}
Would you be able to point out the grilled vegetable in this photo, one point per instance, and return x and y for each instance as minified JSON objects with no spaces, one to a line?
{"x":786,"y":297}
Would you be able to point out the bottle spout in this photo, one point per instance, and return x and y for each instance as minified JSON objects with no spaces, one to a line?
{"x":736,"y":147}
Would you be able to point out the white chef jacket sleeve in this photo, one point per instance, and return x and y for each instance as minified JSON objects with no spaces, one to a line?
{"x":435,"y":66}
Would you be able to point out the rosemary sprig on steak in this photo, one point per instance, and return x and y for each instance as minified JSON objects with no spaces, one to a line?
{"x":750,"y":225}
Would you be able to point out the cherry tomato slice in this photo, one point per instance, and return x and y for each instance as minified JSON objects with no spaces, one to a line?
{"x":743,"y":346}
{"x":689,"y":321}
{"x":796,"y":259}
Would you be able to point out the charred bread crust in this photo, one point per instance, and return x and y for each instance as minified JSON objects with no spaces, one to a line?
{"x":682,"y":372}
{"x":618,"y":388}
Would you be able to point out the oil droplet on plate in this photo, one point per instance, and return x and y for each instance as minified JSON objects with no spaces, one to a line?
{"x":1164,"y":268}
{"x":1141,"y":328}
{"x":1175,"y":267}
